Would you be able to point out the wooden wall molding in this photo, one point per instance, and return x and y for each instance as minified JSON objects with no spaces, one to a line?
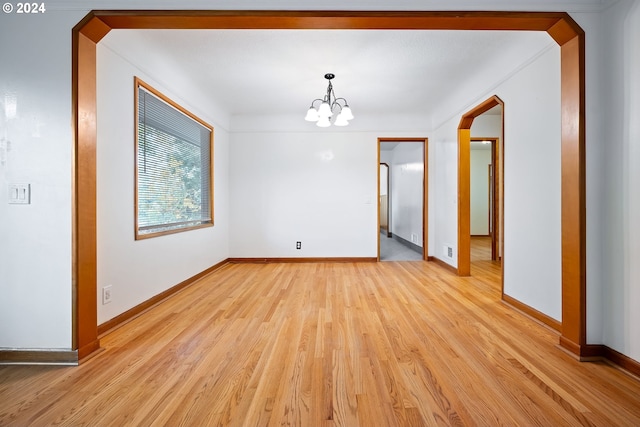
{"x":622,"y":361}
{"x":38,"y":357}
{"x":464,"y":182}
{"x":532,"y":312}
{"x":136,"y":311}
{"x":97,"y":24}
{"x":300,"y":260}
{"x":443,"y":264}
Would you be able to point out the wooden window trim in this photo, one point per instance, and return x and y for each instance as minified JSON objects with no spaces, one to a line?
{"x":559,"y":25}
{"x":139,"y":236}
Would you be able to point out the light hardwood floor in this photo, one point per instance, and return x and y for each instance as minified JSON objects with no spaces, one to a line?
{"x":366,"y":344}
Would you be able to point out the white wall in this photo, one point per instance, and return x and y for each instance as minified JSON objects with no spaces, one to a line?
{"x":139,"y":270}
{"x":631,"y":342}
{"x":531,"y":184}
{"x":486,"y":126}
{"x":620,"y":197}
{"x":479,"y":206}
{"x":35,"y":239}
{"x":317,"y":187}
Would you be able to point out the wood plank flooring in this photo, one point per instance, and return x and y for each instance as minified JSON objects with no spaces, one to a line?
{"x":330,"y":344}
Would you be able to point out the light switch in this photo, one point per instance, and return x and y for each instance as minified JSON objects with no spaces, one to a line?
{"x":20,"y":194}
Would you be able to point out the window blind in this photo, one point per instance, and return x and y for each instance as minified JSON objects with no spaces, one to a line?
{"x":173,"y":167}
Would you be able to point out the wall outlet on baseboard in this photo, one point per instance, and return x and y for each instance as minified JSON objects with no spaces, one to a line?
{"x":298,"y":245}
{"x":106,"y":295}
{"x":414,"y":238}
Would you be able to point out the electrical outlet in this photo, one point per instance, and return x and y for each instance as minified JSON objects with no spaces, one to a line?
{"x":106,"y":295}
{"x":298,"y":245}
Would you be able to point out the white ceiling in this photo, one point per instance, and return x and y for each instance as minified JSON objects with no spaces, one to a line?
{"x":377,"y":71}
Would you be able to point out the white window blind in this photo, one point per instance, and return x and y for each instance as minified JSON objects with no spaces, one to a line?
{"x":173,"y":168}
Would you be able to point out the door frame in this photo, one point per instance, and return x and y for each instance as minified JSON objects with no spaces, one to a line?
{"x":464,"y":181}
{"x":97,"y":24}
{"x":496,"y":194}
{"x":388,"y":229}
{"x":425,"y":190}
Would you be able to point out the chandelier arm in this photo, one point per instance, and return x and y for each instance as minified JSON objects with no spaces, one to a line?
{"x":313,"y":102}
{"x":340,"y":99}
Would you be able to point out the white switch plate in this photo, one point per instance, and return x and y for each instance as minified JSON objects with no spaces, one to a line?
{"x":20,"y":194}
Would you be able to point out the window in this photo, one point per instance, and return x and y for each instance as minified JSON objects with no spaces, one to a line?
{"x":174,"y":186}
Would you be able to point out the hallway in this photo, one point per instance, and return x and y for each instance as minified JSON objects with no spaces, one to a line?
{"x":392,"y":250}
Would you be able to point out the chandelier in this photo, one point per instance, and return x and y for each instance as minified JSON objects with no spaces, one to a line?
{"x":328,"y":105}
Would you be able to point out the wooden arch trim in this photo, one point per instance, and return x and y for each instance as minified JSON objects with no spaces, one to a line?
{"x":464,"y":183}
{"x":97,"y":24}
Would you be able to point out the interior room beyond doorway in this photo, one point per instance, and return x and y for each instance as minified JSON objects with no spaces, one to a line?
{"x":402,"y":200}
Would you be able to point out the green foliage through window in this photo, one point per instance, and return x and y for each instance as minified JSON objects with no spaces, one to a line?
{"x":173,"y":166}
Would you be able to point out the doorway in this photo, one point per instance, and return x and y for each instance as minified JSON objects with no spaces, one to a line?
{"x":484,"y":199}
{"x":560,"y":26}
{"x":402,"y":199}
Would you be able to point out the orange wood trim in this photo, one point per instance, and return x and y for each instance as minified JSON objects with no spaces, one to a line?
{"x":443,"y":264}
{"x":489,"y":201}
{"x":90,"y":348}
{"x":464,"y":204}
{"x":93,"y":28}
{"x":136,"y":311}
{"x":263,"y":19}
{"x":83,"y":74}
{"x":136,"y":144}
{"x":38,"y":357}
{"x":564,"y":30}
{"x":591,"y":352}
{"x":378,"y":201}
{"x":167,"y":232}
{"x":631,"y":365}
{"x":573,"y":194}
{"x":499,"y":204}
{"x":464,"y":182}
{"x":300,"y":260}
{"x":532,"y":312}
{"x":571,"y":347}
{"x":84,"y":226}
{"x":425,"y":202}
{"x":137,"y":82}
{"x":483,"y":107}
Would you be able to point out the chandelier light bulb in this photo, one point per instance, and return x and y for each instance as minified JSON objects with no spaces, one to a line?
{"x":323,"y":122}
{"x":341,"y":120}
{"x":312,"y":115}
{"x":324,"y":110}
{"x":346,"y":112}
